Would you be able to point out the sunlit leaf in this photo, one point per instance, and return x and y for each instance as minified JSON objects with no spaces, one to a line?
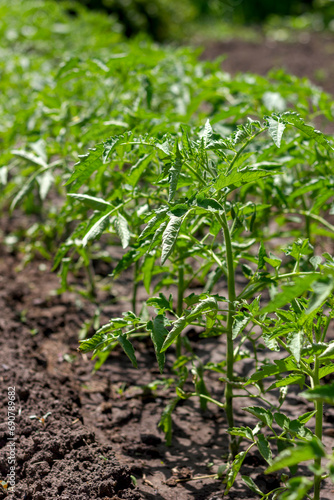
{"x":297,"y":454}
{"x":169,"y":237}
{"x":128,"y":348}
{"x":86,"y":165}
{"x":122,"y":229}
{"x":158,"y":334}
{"x":276,"y":129}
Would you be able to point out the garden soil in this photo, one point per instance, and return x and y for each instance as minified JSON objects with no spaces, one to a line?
{"x":306,"y":55}
{"x":85,"y":436}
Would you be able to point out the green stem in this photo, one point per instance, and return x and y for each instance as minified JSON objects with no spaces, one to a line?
{"x":236,"y":156}
{"x":318,"y":430}
{"x":208,"y":251}
{"x":324,"y":332}
{"x":193,"y":171}
{"x":229,"y":340}
{"x":135,"y":287}
{"x":307,"y":217}
{"x":309,"y":214}
{"x":91,"y":280}
{"x":180,"y":291}
{"x":212,"y":400}
{"x":290,"y":275}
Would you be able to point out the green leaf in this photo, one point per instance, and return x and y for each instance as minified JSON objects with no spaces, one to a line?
{"x":147,"y":269}
{"x":276,"y":128}
{"x":25,"y":189}
{"x":295,"y":119}
{"x":316,"y":261}
{"x":293,"y":456}
{"x":282,"y":420}
{"x":84,"y":168}
{"x":328,"y":353}
{"x":326,"y":370}
{"x":241,"y":177}
{"x":204,"y":305}
{"x":261,"y":413}
{"x":297,"y":428}
{"x":97,"y":229}
{"x":3,"y":175}
{"x":91,"y":201}
{"x":297,"y":488}
{"x":128,"y":348}
{"x":295,"y":342}
{"x":154,"y":223}
{"x":159,"y":232}
{"x":261,"y":256}
{"x":161,"y":302}
{"x":233,"y":472}
{"x":303,"y":419}
{"x":186,"y":144}
{"x":45,"y":181}
{"x":274,"y":101}
{"x":122,"y":229}
{"x":273,"y":260}
{"x":290,"y":292}
{"x":178,"y":327}
{"x":179,"y":210}
{"x":31,"y":157}
{"x":264,"y":448}
{"x":137,"y":170}
{"x":323,"y":393}
{"x":239,"y":323}
{"x":158,"y":334}
{"x":200,"y":386}
{"x":99,"y":341}
{"x":209,"y":204}
{"x":331,"y":470}
{"x":174,"y":173}
{"x":289,"y":380}
{"x":66,"y":66}
{"x":128,"y":259}
{"x":169,"y":237}
{"x":166,"y":420}
{"x":322,"y":289}
{"x":109,"y":146}
{"x":251,"y":485}
{"x":114,"y":324}
{"x":280,"y":366}
{"x":245,"y":432}
{"x":206,"y":133}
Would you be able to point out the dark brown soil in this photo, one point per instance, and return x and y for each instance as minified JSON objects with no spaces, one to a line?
{"x":310,"y":55}
{"x":101,"y":428}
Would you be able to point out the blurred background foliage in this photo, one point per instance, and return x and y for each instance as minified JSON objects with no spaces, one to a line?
{"x":165,"y":20}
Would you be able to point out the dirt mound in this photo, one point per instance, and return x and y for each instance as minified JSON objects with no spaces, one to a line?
{"x":57,"y":456}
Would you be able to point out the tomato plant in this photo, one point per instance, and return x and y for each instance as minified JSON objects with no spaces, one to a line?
{"x":171,"y":170}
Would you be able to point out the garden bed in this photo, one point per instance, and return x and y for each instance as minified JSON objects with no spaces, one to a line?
{"x":102,"y":429}
{"x":90,"y":436}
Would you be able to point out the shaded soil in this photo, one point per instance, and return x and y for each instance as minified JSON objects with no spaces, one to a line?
{"x":82,"y":435}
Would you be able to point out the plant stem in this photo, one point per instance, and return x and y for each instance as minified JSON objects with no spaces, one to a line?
{"x":238,"y":153}
{"x":221,"y":405}
{"x":307,"y":217}
{"x":180,"y":290}
{"x":315,"y":217}
{"x":91,"y":279}
{"x":135,"y":287}
{"x":193,"y":171}
{"x":229,"y":340}
{"x":318,"y":430}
